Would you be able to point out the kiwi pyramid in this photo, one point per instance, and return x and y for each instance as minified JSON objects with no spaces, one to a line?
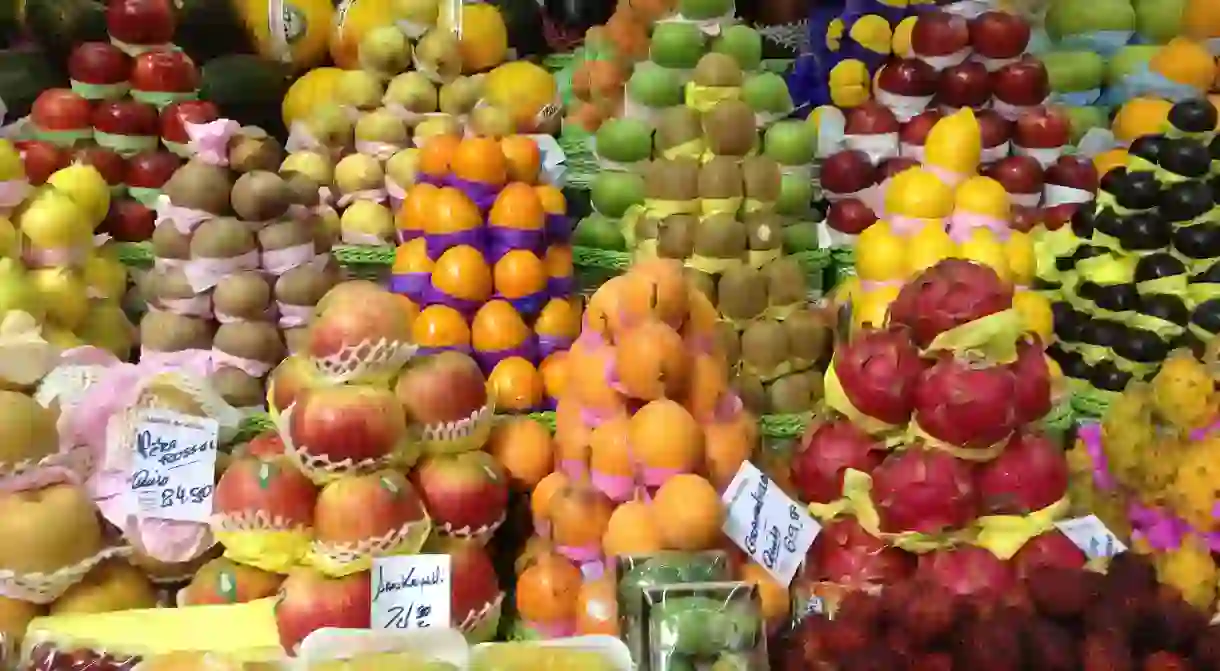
{"x":242,"y":258}
{"x":1139,"y":274}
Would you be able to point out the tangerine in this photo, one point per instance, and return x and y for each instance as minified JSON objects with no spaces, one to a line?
{"x":610,"y":461}
{"x":589,"y":369}
{"x":542,"y":495}
{"x":418,"y":206}
{"x":707,"y":385}
{"x":559,"y":318}
{"x":462,"y":272}
{"x":516,"y":385}
{"x":558,"y":262}
{"x":727,"y":444}
{"x":436,"y":155}
{"x":412,"y":257}
{"x":547,"y":590}
{"x":579,"y":516}
{"x":606,"y":308}
{"x":699,"y":329}
{"x":439,"y":326}
{"x":632,"y":530}
{"x":688,"y":513}
{"x":657,"y":287}
{"x":517,"y":207}
{"x":597,"y":608}
{"x":523,"y":158}
{"x":554,"y":371}
{"x":571,"y":437}
{"x":497,"y":326}
{"x":519,"y":274}
{"x":525,"y":449}
{"x":480,"y":160}
{"x":651,"y":362}
{"x":666,"y":440}
{"x":452,"y":211}
{"x":774,"y":596}
{"x":552,"y":199}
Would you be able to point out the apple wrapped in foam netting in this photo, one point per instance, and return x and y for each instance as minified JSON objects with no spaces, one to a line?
{"x":360,"y":333}
{"x":343,"y":430}
{"x":446,"y":400}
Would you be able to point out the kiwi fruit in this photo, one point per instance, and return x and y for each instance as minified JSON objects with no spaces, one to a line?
{"x":764,"y":346}
{"x":677,"y":126}
{"x":720,"y":178}
{"x":647,"y":229}
{"x":676,"y":239}
{"x":200,"y":186}
{"x":741,"y":293}
{"x":721,"y":236}
{"x":256,"y":341}
{"x":302,"y":190}
{"x":717,"y":69}
{"x":222,"y":238}
{"x":728,"y":342}
{"x":285,"y":234}
{"x":762,"y":178}
{"x":752,"y":393}
{"x":672,"y":179}
{"x":170,"y":243}
{"x":791,"y":393}
{"x":167,"y":332}
{"x":295,"y":339}
{"x":810,"y":335}
{"x":237,"y":387}
{"x":169,"y":284}
{"x":786,"y":282}
{"x":242,"y":296}
{"x":260,"y":196}
{"x":306,"y":285}
{"x":703,"y":282}
{"x":253,"y":150}
{"x":765,"y":232}
{"x":729,"y":129}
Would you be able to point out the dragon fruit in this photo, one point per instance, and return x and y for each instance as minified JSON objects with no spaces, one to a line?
{"x":1049,"y":549}
{"x":967,"y":570}
{"x":878,"y":370}
{"x":951,"y":293}
{"x":927,"y":491}
{"x":1033,"y":378}
{"x":1029,"y":475}
{"x":966,"y":404}
{"x":827,"y":449}
{"x":846,"y":554}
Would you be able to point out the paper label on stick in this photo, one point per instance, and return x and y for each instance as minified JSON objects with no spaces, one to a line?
{"x":411,"y":592}
{"x":762,"y":520}
{"x":1092,"y":537}
{"x":173,"y":471}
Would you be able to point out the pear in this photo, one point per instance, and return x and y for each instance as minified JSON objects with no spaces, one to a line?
{"x":492,"y":121}
{"x":438,"y":55}
{"x":331,"y":126}
{"x":437,"y":124}
{"x":53,"y":220}
{"x":360,"y":89}
{"x":385,"y":51}
{"x":415,"y":17}
{"x":16,"y":291}
{"x":64,"y":293}
{"x":413,"y":92}
{"x":402,"y":167}
{"x":383,"y":126}
{"x":9,"y":247}
{"x":310,"y":164}
{"x":86,"y":186}
{"x":459,"y":96}
{"x":357,"y":172}
{"x":366,"y":222}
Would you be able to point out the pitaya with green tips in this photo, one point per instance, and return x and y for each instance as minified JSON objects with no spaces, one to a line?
{"x":966,"y":403}
{"x":924,"y":490}
{"x":949,"y":294}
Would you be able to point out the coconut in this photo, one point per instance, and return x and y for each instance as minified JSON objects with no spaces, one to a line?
{"x":44,"y":530}
{"x":27,"y":430}
{"x":242,"y":296}
{"x":199,"y":185}
{"x":166,"y":332}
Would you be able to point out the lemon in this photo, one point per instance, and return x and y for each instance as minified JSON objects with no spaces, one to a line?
{"x":983,"y":247}
{"x":1036,"y":315}
{"x":872,"y":307}
{"x":313,"y":88}
{"x":527,"y":91}
{"x":983,"y":196}
{"x":880,"y":254}
{"x":86,"y":187}
{"x":928,"y":247}
{"x":955,"y":143}
{"x":11,"y":167}
{"x":918,"y":193}
{"x":1022,"y":264}
{"x":483,"y":35}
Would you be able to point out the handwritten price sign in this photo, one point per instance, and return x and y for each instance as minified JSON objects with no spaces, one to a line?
{"x":411,"y":592}
{"x":772,"y":528}
{"x":174,"y":469}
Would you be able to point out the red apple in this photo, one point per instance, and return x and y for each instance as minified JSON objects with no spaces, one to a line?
{"x":907,"y":77}
{"x":163,"y":71}
{"x":358,"y":509}
{"x":99,"y":63}
{"x":850,"y":216}
{"x":1043,"y":128}
{"x":893,"y":166}
{"x":272,"y":487}
{"x":466,"y":493}
{"x":995,"y":132}
{"x":41,"y":159}
{"x":964,"y":85}
{"x":362,"y":423}
{"x":1025,"y":219}
{"x":310,"y":601}
{"x":938,"y":35}
{"x":223,"y":580}
{"x":1021,"y":177}
{"x":474,"y":589}
{"x":176,"y":115}
{"x":914,"y":133}
{"x":1073,"y":172}
{"x":446,"y":387}
{"x":140,"y":22}
{"x":291,"y":379}
{"x":129,"y":221}
{"x":1056,"y":216}
{"x":151,"y":169}
{"x":848,"y":172}
{"x":871,"y":118}
{"x":997,"y":35}
{"x":1021,"y":83}
{"x":126,"y":126}
{"x":112,"y":166}
{"x":61,"y":110}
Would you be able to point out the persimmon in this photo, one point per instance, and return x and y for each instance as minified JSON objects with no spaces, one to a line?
{"x":480,"y":160}
{"x":727,"y":444}
{"x":440,"y":326}
{"x":519,"y":274}
{"x":525,"y":449}
{"x":657,"y":288}
{"x":707,"y":385}
{"x":552,"y":199}
{"x":497,"y":326}
{"x":547,"y":591}
{"x":417,"y":207}
{"x":688,"y":513}
{"x":517,"y":206}
{"x":523,"y":157}
{"x":516,"y":385}
{"x":554,"y":370}
{"x":452,"y":212}
{"x":632,"y":530}
{"x":462,"y":272}
{"x":436,"y":155}
{"x":666,"y":440}
{"x":651,"y":361}
{"x":597,"y":608}
{"x":412,"y":257}
{"x":579,"y":514}
{"x":611,"y":466}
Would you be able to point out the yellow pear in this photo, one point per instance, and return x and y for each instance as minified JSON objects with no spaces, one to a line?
{"x":357,"y":172}
{"x":114,"y":585}
{"x":64,"y":293}
{"x":413,"y":92}
{"x":86,"y":187}
{"x":311,"y":164}
{"x":53,"y":220}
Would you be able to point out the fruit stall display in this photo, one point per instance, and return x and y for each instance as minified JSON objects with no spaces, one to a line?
{"x":485,"y":257}
{"x":1136,"y":267}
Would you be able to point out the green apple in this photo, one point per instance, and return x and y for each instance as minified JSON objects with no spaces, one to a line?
{"x":1074,"y":70}
{"x":613,"y":193}
{"x":1065,"y":18}
{"x":599,"y":232}
{"x":1084,"y":119}
{"x":1158,"y":21}
{"x":624,"y":141}
{"x":1129,"y":59}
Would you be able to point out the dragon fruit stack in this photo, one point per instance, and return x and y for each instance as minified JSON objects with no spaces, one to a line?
{"x":929,"y":461}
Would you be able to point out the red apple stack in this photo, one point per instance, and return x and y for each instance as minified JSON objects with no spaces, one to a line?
{"x":1021,"y":177}
{"x":1019,"y":87}
{"x":940,"y":39}
{"x":998,"y":38}
{"x":62,"y":117}
{"x":1069,"y":183}
{"x":99,"y":71}
{"x":41,"y":159}
{"x":136,"y":26}
{"x":996,"y":135}
{"x":164,"y":75}
{"x":1042,"y":133}
{"x":914,"y":134}
{"x":872,"y":129}
{"x":175,"y":117}
{"x":905,"y":87}
{"x":849,"y":181}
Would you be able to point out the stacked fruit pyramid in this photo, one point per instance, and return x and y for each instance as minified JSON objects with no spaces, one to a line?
{"x":931,"y":461}
{"x":417,"y":472}
{"x":648,"y":435}
{"x":1135,"y":276}
{"x":485,"y":257}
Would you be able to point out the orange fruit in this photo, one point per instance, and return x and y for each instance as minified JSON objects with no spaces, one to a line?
{"x":547,"y":590}
{"x":559,"y":318}
{"x":440,"y":326}
{"x":417,"y":208}
{"x":726,"y":445}
{"x":552,"y":199}
{"x":776,"y":602}
{"x":452,"y":211}
{"x":558,"y":262}
{"x":571,"y":437}
{"x":632,"y":530}
{"x":554,"y":371}
{"x":462,"y":272}
{"x":497,"y":326}
{"x":666,"y":440}
{"x":688,"y":512}
{"x":516,"y":385}
{"x":544,"y":492}
{"x":658,"y":288}
{"x":1140,"y":116}
{"x":523,"y":158}
{"x":480,"y":160}
{"x":412,"y":257}
{"x":610,"y":461}
{"x":436,"y":156}
{"x":525,"y":449}
{"x":652,"y":361}
{"x":1109,"y":160}
{"x":707,"y":383}
{"x":588,"y":384}
{"x":517,"y":207}
{"x":579,"y":515}
{"x":597,"y":608}
{"x":519,"y":274}
{"x":605,"y":311}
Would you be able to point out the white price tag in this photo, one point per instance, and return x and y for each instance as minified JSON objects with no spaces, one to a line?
{"x":815,"y":606}
{"x":773,"y":529}
{"x":411,"y":592}
{"x":173,"y":472}
{"x":1092,"y":537}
